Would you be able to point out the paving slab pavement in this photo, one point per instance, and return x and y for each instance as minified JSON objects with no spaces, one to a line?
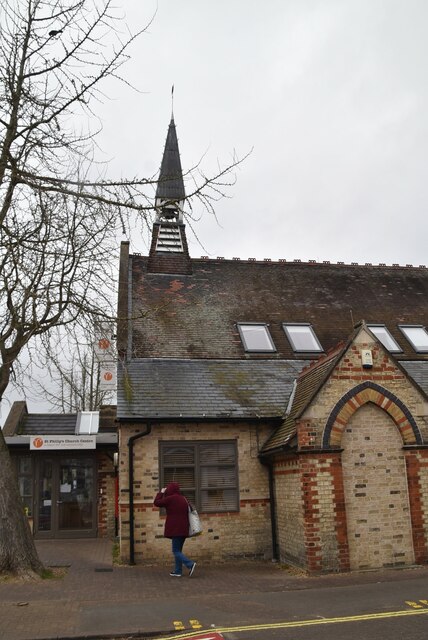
{"x":98,"y":599}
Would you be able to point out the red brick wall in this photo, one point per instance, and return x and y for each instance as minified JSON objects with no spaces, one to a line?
{"x":417,"y":477}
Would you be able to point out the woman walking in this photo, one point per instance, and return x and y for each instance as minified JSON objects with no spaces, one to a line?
{"x":176,"y":525}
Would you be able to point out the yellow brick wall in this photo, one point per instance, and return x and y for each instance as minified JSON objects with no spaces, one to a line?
{"x":376,"y":493}
{"x":352,"y":510}
{"x":106,"y":491}
{"x":289,"y":509}
{"x":226,"y":535}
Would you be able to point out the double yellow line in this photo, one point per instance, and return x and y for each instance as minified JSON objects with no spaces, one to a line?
{"x":299,"y":623}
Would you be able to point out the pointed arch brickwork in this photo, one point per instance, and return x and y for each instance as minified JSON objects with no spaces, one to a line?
{"x":361,"y":394}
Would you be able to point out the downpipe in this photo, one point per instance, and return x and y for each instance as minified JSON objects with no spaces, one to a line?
{"x":131,"y":441}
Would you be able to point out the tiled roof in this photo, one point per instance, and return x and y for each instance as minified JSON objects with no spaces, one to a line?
{"x":48,"y":424}
{"x":307,"y":385}
{"x":61,"y":423}
{"x":162,"y":389}
{"x":418,"y":370}
{"x":195,"y":316}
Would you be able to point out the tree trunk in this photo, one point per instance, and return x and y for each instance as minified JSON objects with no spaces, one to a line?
{"x":18,"y":555}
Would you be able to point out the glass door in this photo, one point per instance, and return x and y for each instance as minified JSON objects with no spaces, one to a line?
{"x":66,"y":497}
{"x":44,"y":508}
{"x":75,"y":497}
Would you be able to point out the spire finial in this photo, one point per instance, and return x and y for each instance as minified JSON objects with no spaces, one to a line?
{"x":172,"y":102}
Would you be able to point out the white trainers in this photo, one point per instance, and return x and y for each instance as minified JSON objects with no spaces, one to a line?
{"x":192,"y":570}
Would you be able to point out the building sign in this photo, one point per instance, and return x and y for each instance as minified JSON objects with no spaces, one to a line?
{"x":45,"y":443}
{"x":108,"y":376}
{"x":103,"y":347}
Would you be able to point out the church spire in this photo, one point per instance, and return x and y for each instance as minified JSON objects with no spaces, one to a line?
{"x":170,"y":194}
{"x":169,"y":252}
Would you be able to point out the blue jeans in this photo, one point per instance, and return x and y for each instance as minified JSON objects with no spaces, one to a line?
{"x":180,"y":558}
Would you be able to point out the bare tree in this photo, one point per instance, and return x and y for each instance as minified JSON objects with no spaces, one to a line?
{"x":66,"y":371}
{"x":58,"y":214}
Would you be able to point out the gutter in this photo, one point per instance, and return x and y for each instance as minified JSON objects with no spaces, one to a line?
{"x":273,"y":420}
{"x":131,"y":441}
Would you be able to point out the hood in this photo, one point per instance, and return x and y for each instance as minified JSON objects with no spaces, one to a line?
{"x":171,"y":488}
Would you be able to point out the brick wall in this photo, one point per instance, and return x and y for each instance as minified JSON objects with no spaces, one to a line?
{"x":310,"y":508}
{"x":348,"y":375}
{"x":417,"y":474}
{"x":226,"y":535}
{"x":169,"y":262}
{"x":357,"y":508}
{"x":289,"y":509}
{"x":376,"y":493}
{"x":106,"y":496}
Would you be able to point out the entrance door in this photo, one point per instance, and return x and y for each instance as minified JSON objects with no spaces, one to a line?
{"x":66,"y":500}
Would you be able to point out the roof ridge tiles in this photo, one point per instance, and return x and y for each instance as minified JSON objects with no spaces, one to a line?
{"x":311,"y":262}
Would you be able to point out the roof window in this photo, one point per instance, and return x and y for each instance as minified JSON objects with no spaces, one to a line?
{"x":417,"y":335}
{"x":384,"y":336}
{"x":87,"y":423}
{"x":302,"y":337}
{"x":255,"y":337}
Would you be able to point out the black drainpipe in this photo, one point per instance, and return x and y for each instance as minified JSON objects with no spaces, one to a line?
{"x":273,"y":523}
{"x":131,"y":441}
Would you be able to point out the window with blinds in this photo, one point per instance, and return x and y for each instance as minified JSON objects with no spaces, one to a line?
{"x":207,"y":473}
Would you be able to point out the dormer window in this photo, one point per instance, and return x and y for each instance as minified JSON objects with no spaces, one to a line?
{"x":302,"y":337}
{"x":417,"y":335}
{"x":256,"y":337}
{"x":384,"y":336}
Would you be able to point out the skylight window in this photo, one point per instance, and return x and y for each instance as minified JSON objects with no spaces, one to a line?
{"x":417,"y":335}
{"x":302,"y":337}
{"x":383,"y":335}
{"x":87,"y":422}
{"x":256,"y":337}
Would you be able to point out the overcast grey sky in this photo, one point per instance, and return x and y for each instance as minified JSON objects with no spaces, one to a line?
{"x":332,"y":95}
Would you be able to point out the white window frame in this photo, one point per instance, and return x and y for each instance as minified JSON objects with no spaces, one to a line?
{"x":403,"y":328}
{"x":311,"y":331}
{"x":372,"y":327}
{"x":262,"y":325}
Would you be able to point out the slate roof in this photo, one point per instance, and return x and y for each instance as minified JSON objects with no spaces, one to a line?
{"x":47,"y":424}
{"x":418,"y":370}
{"x":182,"y":353}
{"x":195,"y":316}
{"x":162,"y":389}
{"x":308,"y":384}
{"x":27,"y":424}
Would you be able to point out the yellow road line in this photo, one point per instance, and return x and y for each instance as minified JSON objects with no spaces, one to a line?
{"x":300,"y":623}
